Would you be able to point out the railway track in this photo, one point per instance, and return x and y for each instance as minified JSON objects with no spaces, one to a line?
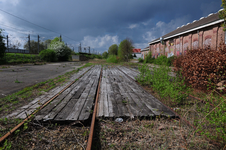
{"x":92,"y":93}
{"x":84,"y":84}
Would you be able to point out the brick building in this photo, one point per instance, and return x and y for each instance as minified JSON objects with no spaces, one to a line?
{"x":144,"y":52}
{"x":206,"y":31}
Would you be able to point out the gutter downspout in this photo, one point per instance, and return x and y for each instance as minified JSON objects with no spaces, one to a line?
{"x":198,"y":38}
{"x":217,"y":38}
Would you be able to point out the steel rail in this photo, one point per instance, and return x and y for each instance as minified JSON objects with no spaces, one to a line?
{"x":89,"y":144}
{"x":31,"y":115}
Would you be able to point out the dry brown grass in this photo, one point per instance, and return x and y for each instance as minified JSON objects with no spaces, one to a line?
{"x":160,"y":133}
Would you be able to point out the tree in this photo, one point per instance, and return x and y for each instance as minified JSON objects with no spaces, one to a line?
{"x":125,"y":49}
{"x":113,"y":49}
{"x":222,"y":13}
{"x":34,"y":46}
{"x":105,"y":55}
{"x":2,"y":45}
{"x":63,"y":52}
{"x":15,"y":45}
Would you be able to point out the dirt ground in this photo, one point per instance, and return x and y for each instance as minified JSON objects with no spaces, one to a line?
{"x":16,"y":77}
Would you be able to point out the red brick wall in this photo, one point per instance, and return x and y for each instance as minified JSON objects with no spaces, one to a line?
{"x":180,"y":45}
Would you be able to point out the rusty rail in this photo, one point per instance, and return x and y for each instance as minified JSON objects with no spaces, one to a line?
{"x":31,"y":115}
{"x":89,"y":144}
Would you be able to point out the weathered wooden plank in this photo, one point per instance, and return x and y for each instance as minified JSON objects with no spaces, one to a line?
{"x":59,"y":107}
{"x":100,"y":106}
{"x":141,"y":104}
{"x":105,"y":99}
{"x":85,"y":113}
{"x":136,"y":111}
{"x":63,"y":114}
{"x":122,"y":109}
{"x":112,"y":106}
{"x":156,"y":106}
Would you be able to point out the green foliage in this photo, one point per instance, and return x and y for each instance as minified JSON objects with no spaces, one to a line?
{"x":140,"y":60}
{"x":161,"y":60}
{"x":222,"y":14}
{"x":125,"y":50}
{"x":149,"y":58}
{"x":105,"y":55}
{"x":112,"y":59}
{"x":160,"y":81}
{"x":34,"y":46}
{"x":15,"y":58}
{"x":62,"y":51}
{"x":2,"y":47}
{"x":48,"y":55}
{"x":113,"y":49}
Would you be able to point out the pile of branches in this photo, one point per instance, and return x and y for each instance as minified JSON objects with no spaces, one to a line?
{"x":204,"y":68}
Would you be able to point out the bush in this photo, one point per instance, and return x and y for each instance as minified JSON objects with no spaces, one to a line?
{"x":112,"y":59}
{"x":48,"y":55}
{"x":140,"y":60}
{"x":161,"y":60}
{"x":62,"y":51}
{"x":170,"y":60}
{"x":149,"y":58}
{"x":203,"y":68}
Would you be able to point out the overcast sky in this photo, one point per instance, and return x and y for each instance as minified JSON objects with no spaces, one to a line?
{"x":100,"y":23}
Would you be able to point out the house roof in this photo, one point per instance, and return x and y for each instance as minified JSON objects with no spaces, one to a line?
{"x":211,"y":19}
{"x":145,"y":49}
{"x":136,"y":50}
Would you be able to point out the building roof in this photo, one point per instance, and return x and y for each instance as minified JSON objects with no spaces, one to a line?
{"x":145,"y":49}
{"x":136,"y":50}
{"x":211,"y":19}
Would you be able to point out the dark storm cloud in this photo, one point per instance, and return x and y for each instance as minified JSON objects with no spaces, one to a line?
{"x":99,"y":23}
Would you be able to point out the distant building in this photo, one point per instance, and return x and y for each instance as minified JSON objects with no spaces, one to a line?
{"x":206,"y":31}
{"x":137,"y":53}
{"x":144,"y":52}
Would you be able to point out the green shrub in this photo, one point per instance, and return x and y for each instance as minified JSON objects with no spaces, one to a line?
{"x":112,"y":59}
{"x":140,"y":60}
{"x":149,"y":58}
{"x":161,"y":60}
{"x":170,"y":60}
{"x":48,"y":55}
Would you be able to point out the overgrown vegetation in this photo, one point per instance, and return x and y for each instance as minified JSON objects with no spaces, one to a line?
{"x":63,"y":52}
{"x":199,"y":71}
{"x":105,"y":55}
{"x":112,"y":59}
{"x":48,"y":55}
{"x":17,"y":58}
{"x":125,"y":50}
{"x":149,"y":58}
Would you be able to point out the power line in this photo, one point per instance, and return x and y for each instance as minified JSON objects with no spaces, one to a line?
{"x":35,"y":24}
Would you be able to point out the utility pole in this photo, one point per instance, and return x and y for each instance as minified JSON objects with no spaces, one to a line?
{"x":80,"y":47}
{"x":29,"y":43}
{"x":38,"y":44}
{"x":60,"y":39}
{"x":89,"y":49}
{"x":7,"y":37}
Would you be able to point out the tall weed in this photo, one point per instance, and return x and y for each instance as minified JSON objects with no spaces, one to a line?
{"x":160,"y":81}
{"x":112,"y":59}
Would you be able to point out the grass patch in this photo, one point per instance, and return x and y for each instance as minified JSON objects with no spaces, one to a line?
{"x":209,"y":120}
